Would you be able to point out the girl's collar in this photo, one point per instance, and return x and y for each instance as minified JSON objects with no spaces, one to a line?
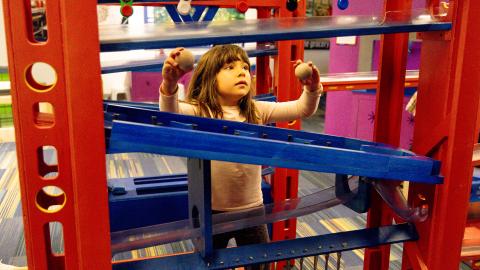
{"x":230,"y":107}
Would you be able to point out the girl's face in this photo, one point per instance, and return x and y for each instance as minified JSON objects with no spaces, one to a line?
{"x":233,"y":82}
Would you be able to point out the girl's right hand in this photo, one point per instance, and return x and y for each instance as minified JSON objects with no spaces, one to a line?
{"x":171,"y":73}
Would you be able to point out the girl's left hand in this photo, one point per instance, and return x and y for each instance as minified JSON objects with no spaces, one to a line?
{"x":311,"y":83}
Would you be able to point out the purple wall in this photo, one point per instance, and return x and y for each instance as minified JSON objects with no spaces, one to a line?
{"x":344,"y":58}
{"x":342,"y":107}
{"x":145,"y":85}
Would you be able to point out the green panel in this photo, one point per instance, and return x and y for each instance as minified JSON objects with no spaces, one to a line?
{"x":6,"y":116}
{"x":4,"y":77}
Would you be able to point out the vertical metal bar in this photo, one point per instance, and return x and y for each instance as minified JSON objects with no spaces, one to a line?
{"x":76,"y":133}
{"x":456,"y":99}
{"x":263,"y":73}
{"x":86,"y":141}
{"x":388,"y":117}
{"x":200,"y":204}
{"x":286,"y":181}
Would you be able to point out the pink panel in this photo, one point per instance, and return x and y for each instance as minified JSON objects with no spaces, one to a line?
{"x":363,"y":116}
{"x":145,"y":85}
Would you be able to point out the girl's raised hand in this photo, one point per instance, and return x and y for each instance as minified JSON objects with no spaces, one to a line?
{"x":179,"y":62}
{"x":308,"y":75}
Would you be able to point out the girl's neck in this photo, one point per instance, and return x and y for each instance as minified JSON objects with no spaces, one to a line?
{"x":227,"y":102}
{"x":229,"y":106}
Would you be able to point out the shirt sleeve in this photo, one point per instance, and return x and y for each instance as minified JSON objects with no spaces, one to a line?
{"x":172,"y":104}
{"x":303,"y":107}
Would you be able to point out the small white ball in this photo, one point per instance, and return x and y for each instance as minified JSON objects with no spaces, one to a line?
{"x":184,"y":7}
{"x":185,"y":60}
{"x":303,"y":71}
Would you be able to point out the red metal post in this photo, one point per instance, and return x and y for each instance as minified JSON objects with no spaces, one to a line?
{"x":263,"y":73}
{"x":287,"y":87}
{"x":388,"y":117}
{"x":74,"y":129}
{"x":448,"y":92}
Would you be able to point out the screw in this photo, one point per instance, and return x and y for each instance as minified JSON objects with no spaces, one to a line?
{"x":153,"y":119}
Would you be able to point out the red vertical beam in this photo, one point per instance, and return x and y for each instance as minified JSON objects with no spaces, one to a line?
{"x":281,"y":79}
{"x":295,"y":90}
{"x":263,"y":73}
{"x":75,"y":130}
{"x":287,"y":87}
{"x":282,"y":69}
{"x":432,"y":107}
{"x":441,"y":237}
{"x":87,"y":138}
{"x":388,"y":117}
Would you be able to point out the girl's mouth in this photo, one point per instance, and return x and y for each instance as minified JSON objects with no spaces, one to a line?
{"x":241,"y":82}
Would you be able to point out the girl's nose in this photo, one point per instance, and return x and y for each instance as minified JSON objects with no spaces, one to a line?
{"x":242,"y":72}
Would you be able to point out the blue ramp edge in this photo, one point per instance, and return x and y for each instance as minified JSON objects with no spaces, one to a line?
{"x":281,"y":250}
{"x":214,"y":139}
{"x":154,"y":36}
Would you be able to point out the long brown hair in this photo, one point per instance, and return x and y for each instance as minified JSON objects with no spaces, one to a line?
{"x":202,"y":90}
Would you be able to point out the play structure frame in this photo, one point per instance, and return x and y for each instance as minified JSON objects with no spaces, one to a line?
{"x":445,"y":128}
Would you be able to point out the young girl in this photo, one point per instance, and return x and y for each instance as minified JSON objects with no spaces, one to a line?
{"x":221,"y":87}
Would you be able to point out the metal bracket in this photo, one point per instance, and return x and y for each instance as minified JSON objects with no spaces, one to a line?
{"x":361,"y":202}
{"x":200,"y":204}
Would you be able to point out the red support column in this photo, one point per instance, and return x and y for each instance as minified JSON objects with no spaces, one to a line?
{"x":287,"y":87}
{"x":74,"y":130}
{"x":263,"y":73}
{"x":284,"y":178}
{"x":388,"y":117}
{"x":449,"y":91}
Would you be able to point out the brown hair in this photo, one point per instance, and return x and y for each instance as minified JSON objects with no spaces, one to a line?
{"x":202,"y":90}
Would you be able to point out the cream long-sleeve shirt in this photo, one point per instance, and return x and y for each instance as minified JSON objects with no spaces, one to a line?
{"x":237,"y":186}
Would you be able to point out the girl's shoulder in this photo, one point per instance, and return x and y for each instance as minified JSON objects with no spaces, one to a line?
{"x":189,"y":108}
{"x":262,"y":109}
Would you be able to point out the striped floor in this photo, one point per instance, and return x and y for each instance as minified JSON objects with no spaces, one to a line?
{"x":339,"y":218}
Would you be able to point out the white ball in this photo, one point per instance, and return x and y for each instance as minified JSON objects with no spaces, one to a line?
{"x":185,"y":60}
{"x":303,"y":71}
{"x":184,"y":7}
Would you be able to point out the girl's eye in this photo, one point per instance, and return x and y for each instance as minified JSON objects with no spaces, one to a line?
{"x":246,"y":68}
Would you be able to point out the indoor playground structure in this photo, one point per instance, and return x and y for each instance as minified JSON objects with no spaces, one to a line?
{"x":101,"y":218}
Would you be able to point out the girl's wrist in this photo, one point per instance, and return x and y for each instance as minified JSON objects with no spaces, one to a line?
{"x":318,"y":88}
{"x":168,"y":89}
